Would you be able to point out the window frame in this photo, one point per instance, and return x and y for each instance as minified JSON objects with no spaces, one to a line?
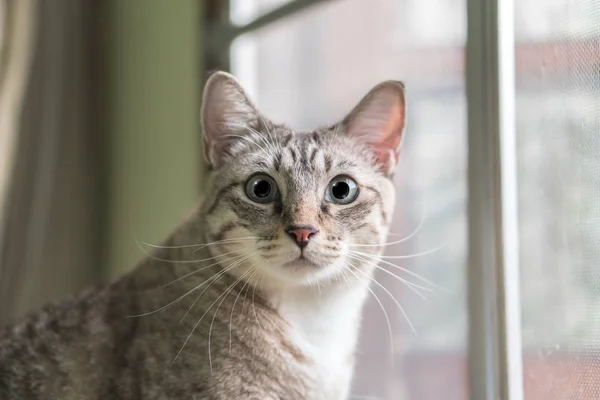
{"x":495,"y":350}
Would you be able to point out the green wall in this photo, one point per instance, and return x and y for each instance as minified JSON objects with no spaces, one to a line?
{"x":154,"y":50}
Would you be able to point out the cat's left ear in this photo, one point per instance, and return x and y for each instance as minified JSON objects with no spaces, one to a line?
{"x":228,"y":117}
{"x":378,"y":121}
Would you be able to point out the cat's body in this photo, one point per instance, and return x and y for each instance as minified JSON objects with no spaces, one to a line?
{"x":98,"y":347}
{"x":255,"y":296}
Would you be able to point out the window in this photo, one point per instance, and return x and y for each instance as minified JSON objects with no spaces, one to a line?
{"x":308,"y":62}
{"x":558,"y":143}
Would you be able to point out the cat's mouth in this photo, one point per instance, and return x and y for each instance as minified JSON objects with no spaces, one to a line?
{"x":301,"y":262}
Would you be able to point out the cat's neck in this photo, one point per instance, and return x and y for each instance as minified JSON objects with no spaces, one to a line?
{"x":324,"y":320}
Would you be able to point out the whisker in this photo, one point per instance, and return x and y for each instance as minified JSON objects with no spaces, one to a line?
{"x":410,"y":236}
{"x":190,"y":261}
{"x":219,"y":275}
{"x":382,"y":309}
{"x":217,"y":310}
{"x":183,"y":246}
{"x":245,"y":138}
{"x":196,"y":326}
{"x":152,"y":256}
{"x":269,"y":145}
{"x":254,"y":309}
{"x":345,"y":278}
{"x":227,"y":241}
{"x":177,"y":300}
{"x":252,"y":131}
{"x":393,"y":298}
{"x":411,"y":285}
{"x":409,"y":272}
{"x":276,"y":143}
{"x":248,"y":289}
{"x":422,"y":253}
{"x":199,"y":270}
{"x":233,"y":308}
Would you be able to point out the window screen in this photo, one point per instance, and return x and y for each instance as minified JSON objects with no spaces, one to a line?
{"x":558,"y":133}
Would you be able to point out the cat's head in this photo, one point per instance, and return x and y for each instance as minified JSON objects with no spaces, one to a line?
{"x":289,"y":206}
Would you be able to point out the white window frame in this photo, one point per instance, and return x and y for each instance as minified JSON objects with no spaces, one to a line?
{"x":494,"y":345}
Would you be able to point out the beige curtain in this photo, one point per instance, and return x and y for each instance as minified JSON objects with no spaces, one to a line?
{"x":16,"y":31}
{"x":50,"y":151}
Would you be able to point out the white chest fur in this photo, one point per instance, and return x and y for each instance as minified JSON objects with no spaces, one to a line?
{"x":324,"y":326}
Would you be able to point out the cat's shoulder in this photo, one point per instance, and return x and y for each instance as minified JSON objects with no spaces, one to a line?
{"x":62,"y":316}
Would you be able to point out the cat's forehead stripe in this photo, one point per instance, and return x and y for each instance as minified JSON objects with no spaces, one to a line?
{"x":313,"y":154}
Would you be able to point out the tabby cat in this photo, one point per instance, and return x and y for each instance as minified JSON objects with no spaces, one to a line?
{"x":257,"y":295}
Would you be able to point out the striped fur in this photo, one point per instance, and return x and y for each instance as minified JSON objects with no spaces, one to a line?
{"x":229,"y":307}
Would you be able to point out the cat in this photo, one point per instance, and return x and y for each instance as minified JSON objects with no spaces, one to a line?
{"x":257,"y":294}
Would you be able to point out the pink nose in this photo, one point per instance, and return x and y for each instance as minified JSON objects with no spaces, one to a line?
{"x":301,"y":234}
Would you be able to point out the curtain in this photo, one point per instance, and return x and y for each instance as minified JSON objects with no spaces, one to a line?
{"x":51,"y":168}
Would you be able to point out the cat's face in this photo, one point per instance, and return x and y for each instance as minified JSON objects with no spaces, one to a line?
{"x":292,"y":207}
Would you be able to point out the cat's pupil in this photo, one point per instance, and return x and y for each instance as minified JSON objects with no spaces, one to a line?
{"x":340,"y":190}
{"x":262,"y":188}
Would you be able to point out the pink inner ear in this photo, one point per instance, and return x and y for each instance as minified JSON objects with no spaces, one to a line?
{"x":386,"y":156}
{"x":380,"y":124}
{"x":391,"y":134}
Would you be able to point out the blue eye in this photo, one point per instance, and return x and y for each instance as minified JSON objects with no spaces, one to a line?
{"x":261,"y":189}
{"x":341,"y":190}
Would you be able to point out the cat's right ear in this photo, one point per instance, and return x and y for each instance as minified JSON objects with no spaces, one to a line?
{"x":378,"y":122}
{"x":227,"y":115}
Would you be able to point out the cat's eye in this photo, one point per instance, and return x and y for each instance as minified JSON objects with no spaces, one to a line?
{"x":261,"y":189}
{"x":341,"y":190}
